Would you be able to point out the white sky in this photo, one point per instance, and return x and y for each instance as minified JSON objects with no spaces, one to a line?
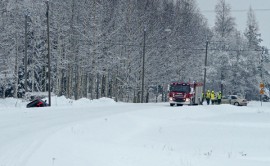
{"x":263,"y":17}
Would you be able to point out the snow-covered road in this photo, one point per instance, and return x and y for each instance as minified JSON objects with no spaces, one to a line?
{"x":106,"y":133}
{"x":24,"y":130}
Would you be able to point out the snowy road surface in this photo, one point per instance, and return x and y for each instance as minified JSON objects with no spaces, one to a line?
{"x":105,"y":133}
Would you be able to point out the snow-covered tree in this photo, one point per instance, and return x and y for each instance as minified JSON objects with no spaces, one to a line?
{"x":225,"y":23}
{"x":97,"y":47}
{"x":252,"y":31}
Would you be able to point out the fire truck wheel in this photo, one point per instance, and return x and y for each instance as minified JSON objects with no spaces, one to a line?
{"x":171,"y":104}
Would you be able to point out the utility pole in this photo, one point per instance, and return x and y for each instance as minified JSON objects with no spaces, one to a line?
{"x":221,"y":80}
{"x":49,"y":58}
{"x":261,"y":65}
{"x":25,"y":52}
{"x":262,"y":80}
{"x":205,"y":64}
{"x":143,"y":59}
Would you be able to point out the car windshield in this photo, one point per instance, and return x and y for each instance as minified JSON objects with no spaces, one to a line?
{"x":180,"y":88}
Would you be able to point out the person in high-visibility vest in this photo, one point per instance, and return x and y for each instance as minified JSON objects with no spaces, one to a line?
{"x":219,"y":97}
{"x":213,"y":97}
{"x":208,"y":96}
{"x":203,"y":96}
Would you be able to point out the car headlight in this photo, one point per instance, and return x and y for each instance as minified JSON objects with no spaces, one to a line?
{"x":187,"y":99}
{"x":170,"y":98}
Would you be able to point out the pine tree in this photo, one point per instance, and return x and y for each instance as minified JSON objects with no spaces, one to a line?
{"x":225,"y":23}
{"x":252,"y":30}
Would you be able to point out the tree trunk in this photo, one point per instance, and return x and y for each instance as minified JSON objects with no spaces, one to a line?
{"x":16,"y":74}
{"x":25,"y":55}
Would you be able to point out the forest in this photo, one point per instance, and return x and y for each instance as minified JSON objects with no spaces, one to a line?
{"x":129,"y":50}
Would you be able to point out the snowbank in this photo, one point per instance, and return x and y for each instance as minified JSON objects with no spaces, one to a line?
{"x":56,"y":102}
{"x":11,"y":102}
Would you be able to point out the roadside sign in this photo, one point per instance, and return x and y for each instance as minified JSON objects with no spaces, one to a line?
{"x":261,"y":85}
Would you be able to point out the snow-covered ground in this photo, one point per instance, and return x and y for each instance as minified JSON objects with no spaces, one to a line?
{"x":105,"y":133}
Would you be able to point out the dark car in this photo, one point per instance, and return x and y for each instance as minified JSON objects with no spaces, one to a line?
{"x":37,"y":103}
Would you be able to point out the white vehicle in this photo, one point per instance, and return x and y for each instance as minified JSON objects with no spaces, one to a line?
{"x":234,"y":100}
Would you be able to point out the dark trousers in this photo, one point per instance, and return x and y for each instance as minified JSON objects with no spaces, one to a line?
{"x":202,"y":101}
{"x":219,"y":101}
{"x":208,"y":101}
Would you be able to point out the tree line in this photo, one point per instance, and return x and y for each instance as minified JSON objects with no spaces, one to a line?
{"x":97,"y":48}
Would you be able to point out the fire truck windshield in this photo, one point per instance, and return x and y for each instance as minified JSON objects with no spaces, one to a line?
{"x":180,"y":88}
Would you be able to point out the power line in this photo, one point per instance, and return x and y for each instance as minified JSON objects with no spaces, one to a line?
{"x":170,"y":47}
{"x":238,"y":10}
{"x":181,"y":48}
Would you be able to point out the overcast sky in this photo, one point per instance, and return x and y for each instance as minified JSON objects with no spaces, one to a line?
{"x":207,"y":8}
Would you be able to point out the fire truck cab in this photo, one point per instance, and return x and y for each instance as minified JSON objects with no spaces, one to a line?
{"x":182,"y":93}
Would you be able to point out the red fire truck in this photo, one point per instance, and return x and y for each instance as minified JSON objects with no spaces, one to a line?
{"x":182,"y":93}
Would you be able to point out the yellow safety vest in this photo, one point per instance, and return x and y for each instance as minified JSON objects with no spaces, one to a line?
{"x":219,"y":96}
{"x":213,"y":97}
{"x":208,"y":95}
